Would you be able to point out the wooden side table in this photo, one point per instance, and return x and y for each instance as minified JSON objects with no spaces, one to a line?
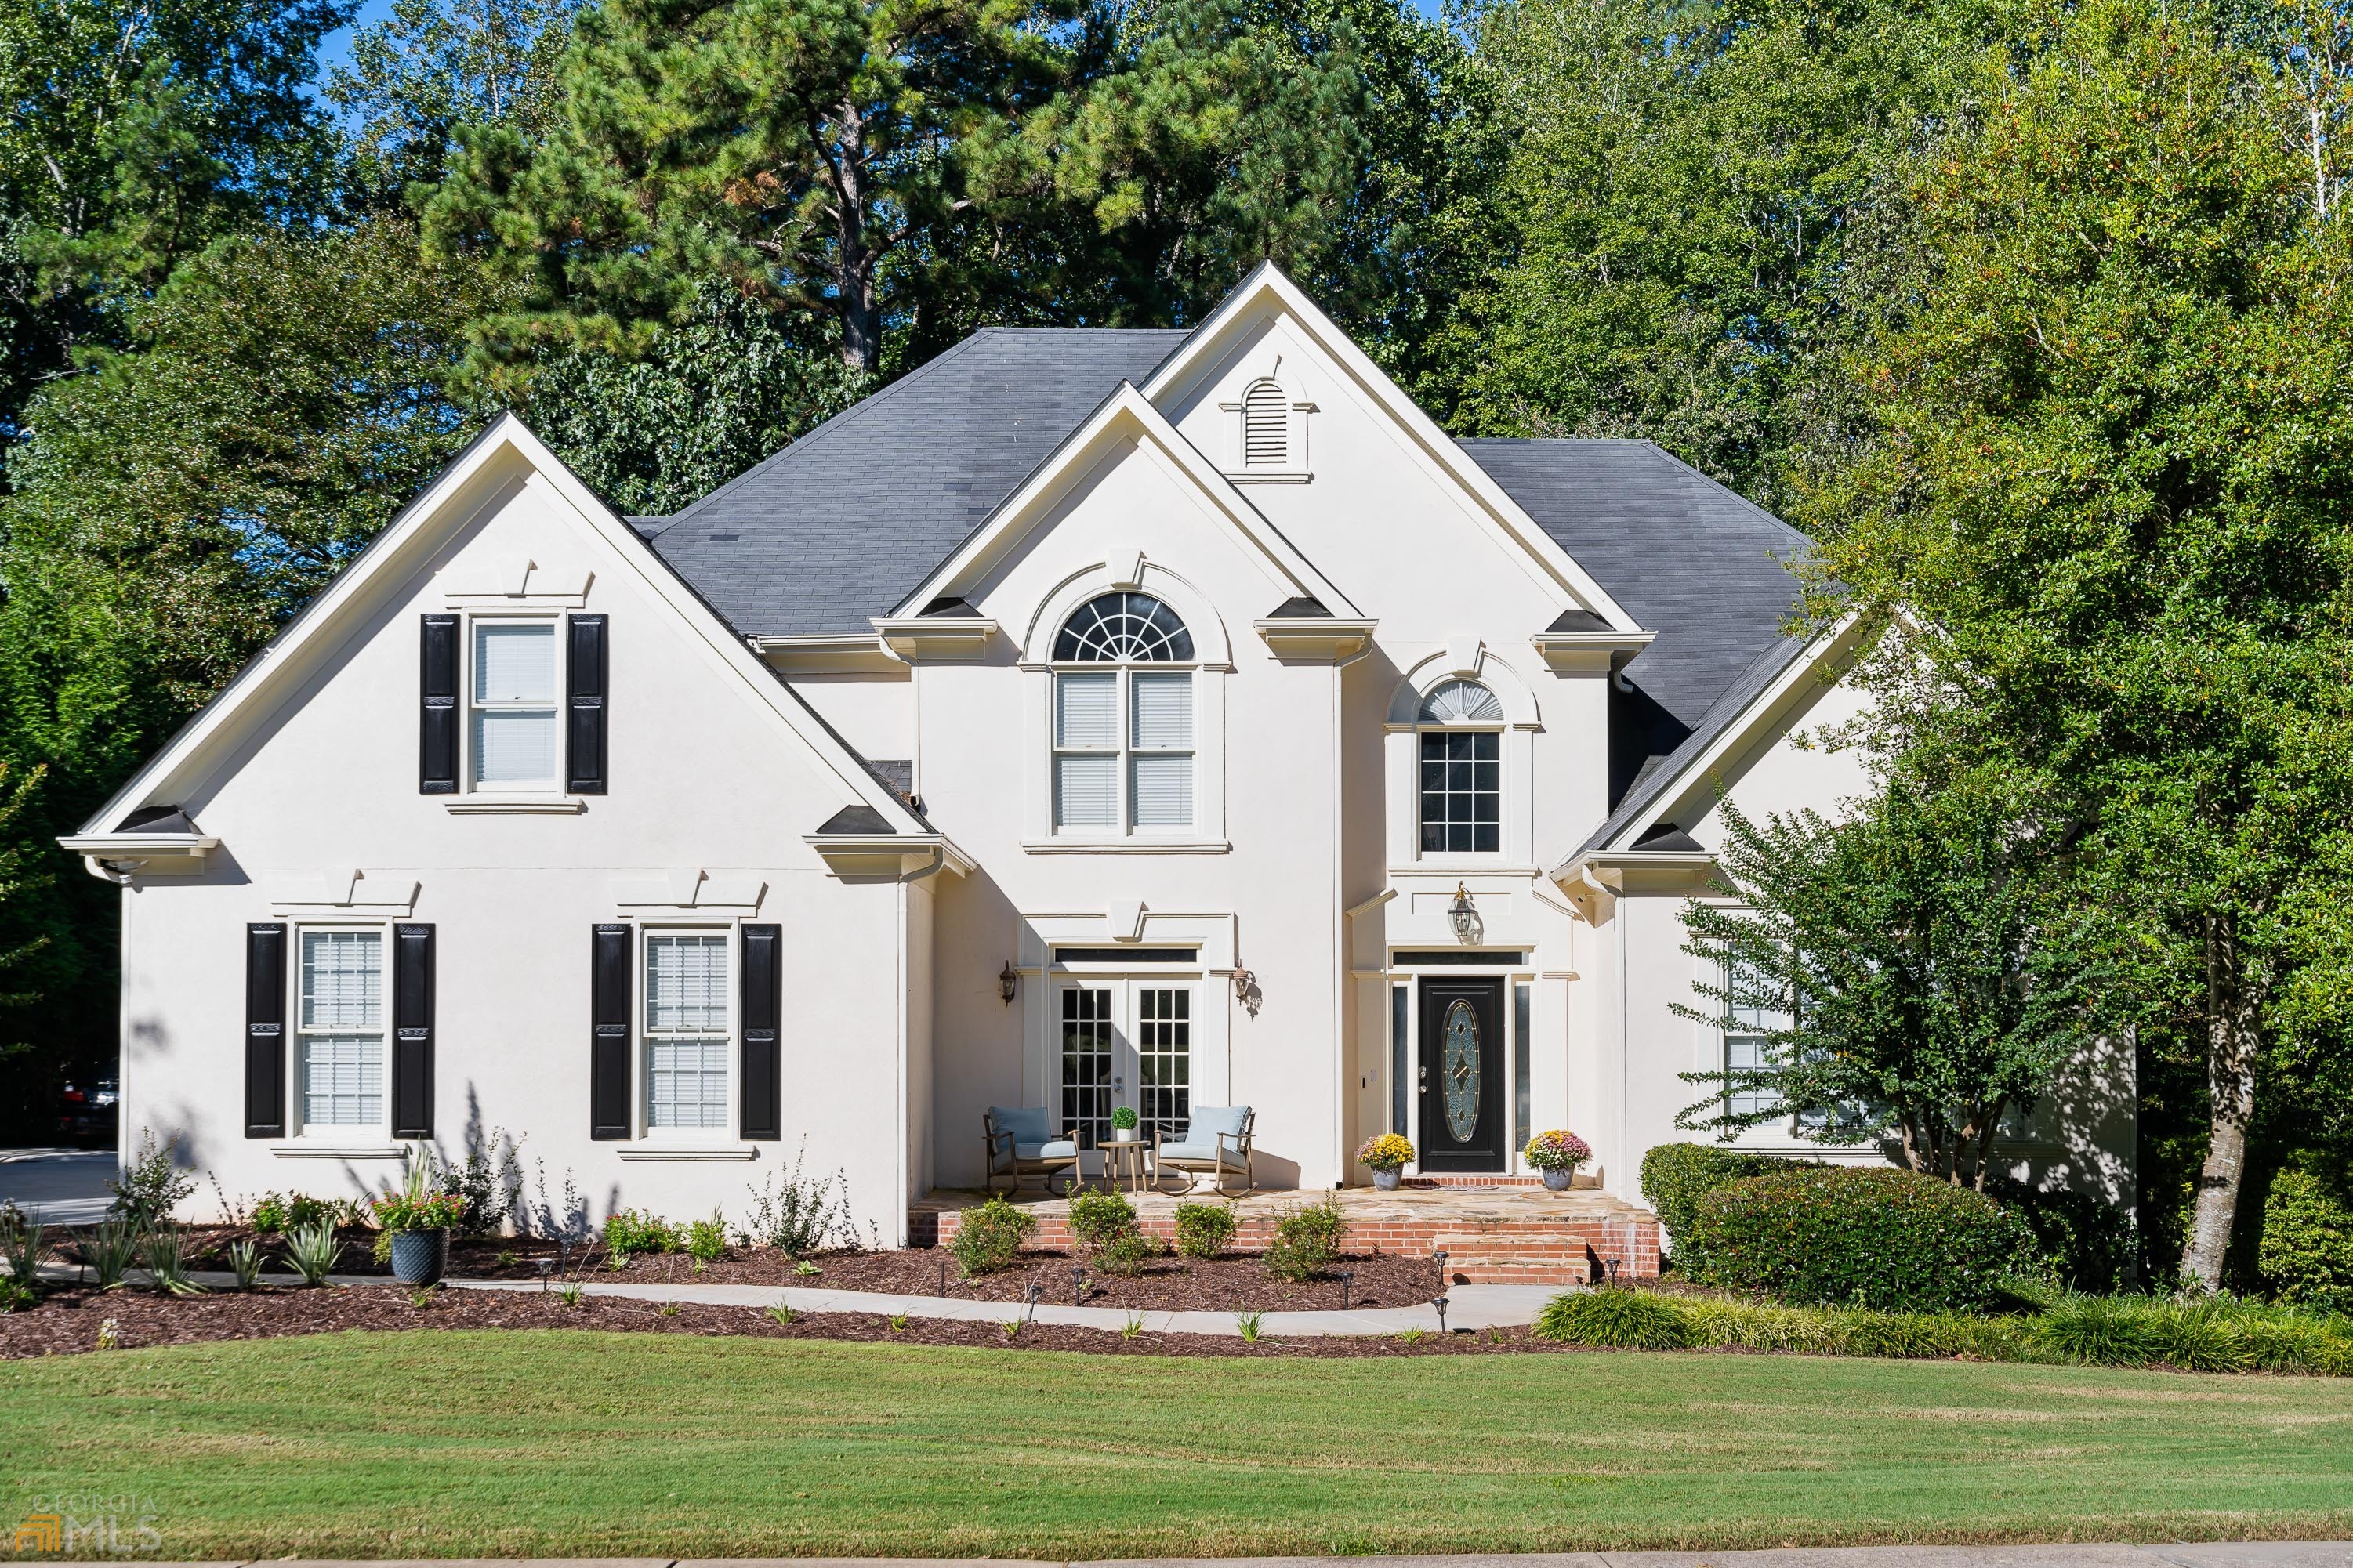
{"x":1125,"y":1161}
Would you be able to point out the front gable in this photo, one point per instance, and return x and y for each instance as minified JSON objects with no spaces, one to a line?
{"x":1367,"y":477}
{"x":314,"y":746}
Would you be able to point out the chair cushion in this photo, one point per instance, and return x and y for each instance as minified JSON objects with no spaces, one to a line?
{"x":1189,"y":1151}
{"x":1026,"y":1123}
{"x":1059,"y":1149}
{"x":1208,"y":1121}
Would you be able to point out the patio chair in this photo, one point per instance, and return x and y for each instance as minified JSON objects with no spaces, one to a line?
{"x":1019,"y":1146}
{"x":1217,"y":1142}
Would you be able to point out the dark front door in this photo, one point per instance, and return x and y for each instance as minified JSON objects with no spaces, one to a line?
{"x":1462,"y":1074}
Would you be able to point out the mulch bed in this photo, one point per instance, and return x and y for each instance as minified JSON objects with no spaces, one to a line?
{"x":66,"y":1322}
{"x":1236,"y":1283}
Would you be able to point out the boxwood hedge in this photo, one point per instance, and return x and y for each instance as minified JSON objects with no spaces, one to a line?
{"x":1876,"y":1237}
{"x":1676,"y":1176}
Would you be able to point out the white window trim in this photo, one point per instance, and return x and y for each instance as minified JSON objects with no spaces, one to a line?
{"x":686,"y":1142}
{"x":1123,"y":751}
{"x":474,"y":798}
{"x":325,"y":1139}
{"x":1210,"y":974}
{"x":1401,"y":757}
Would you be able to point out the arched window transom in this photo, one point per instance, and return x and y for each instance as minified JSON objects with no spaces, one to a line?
{"x":1462,"y":772}
{"x":1123,"y":628}
{"x":1124,"y":735}
{"x":1461,"y":702}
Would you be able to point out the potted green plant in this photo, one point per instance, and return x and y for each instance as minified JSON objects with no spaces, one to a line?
{"x":1555,"y":1155}
{"x":1386,"y":1154}
{"x":414,"y":1222}
{"x":1122,"y":1125}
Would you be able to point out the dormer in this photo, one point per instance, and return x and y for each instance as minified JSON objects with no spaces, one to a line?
{"x":1267,"y":440}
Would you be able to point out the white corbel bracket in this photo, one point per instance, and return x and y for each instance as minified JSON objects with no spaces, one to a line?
{"x":896,"y":856}
{"x":119,"y":857}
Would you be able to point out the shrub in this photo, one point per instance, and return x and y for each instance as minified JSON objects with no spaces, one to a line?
{"x":111,"y":1248}
{"x":632,"y":1231}
{"x":2079,"y":1241}
{"x":1124,"y":1118}
{"x":2307,"y":1253}
{"x":1126,"y":1253}
{"x":153,"y":1186}
{"x":989,"y":1236}
{"x":276,"y":1213}
{"x":1614,"y":1317}
{"x":798,"y":1215}
{"x":706,"y":1239}
{"x":1306,"y":1237}
{"x":1098,"y":1219}
{"x":23,"y":1244}
{"x":1203,"y":1230}
{"x":1882,"y":1238}
{"x":1676,"y":1176}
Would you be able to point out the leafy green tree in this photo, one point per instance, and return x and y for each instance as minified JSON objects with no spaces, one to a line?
{"x":1700,"y":203}
{"x":790,"y":147}
{"x":432,"y":65}
{"x":2114,"y":435}
{"x":137,"y":133}
{"x":714,"y":396}
{"x":172,"y":505}
{"x":955,"y":161}
{"x":1907,"y":969}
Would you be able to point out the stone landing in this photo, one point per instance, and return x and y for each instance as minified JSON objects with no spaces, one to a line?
{"x":1516,"y":1234}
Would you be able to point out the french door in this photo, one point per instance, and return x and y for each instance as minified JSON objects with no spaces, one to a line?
{"x":1124,"y":1043}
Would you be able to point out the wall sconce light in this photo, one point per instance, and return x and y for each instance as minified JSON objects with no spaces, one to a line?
{"x":1008,"y":982}
{"x":1243,"y":982}
{"x":1463,"y":915}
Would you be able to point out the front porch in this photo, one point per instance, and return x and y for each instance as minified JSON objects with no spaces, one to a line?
{"x":1515,"y":1235}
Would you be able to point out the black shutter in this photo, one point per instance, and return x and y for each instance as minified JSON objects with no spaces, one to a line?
{"x":412,"y":1031}
{"x":584,"y":726}
{"x":436,"y":747}
{"x":763,"y":1006}
{"x":608,"y":1029}
{"x":265,"y":1031}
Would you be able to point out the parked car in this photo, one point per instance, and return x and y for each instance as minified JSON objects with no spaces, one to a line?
{"x":86,"y":1109}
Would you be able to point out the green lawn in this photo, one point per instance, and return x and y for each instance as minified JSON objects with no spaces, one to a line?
{"x":511,"y":1443}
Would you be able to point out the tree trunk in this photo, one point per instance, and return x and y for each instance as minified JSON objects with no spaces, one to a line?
{"x":2230,"y":1081}
{"x":861,"y":318}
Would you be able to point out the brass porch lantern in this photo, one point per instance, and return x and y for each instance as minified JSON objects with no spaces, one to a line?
{"x":1463,"y":916}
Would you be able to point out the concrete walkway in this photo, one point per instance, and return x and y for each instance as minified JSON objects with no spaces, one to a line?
{"x":1467,"y":1306}
{"x":2187,"y":1554}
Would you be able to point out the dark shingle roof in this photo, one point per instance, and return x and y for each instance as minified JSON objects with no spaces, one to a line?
{"x":838,"y":526}
{"x":1721,"y":715}
{"x":1687,"y":558}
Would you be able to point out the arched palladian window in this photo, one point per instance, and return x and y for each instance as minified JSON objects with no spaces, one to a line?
{"x":1266,"y":426}
{"x":1123,"y":725}
{"x":1461,"y":770}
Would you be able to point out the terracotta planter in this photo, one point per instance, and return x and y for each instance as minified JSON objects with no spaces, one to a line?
{"x":420,"y":1256}
{"x":1386,"y":1181}
{"x":1558,"y":1180}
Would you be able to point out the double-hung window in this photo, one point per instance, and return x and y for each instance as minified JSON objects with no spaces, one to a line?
{"x":688,"y":1030}
{"x":1461,"y":771}
{"x":1749,"y":1022}
{"x":339,"y":1025}
{"x":517,"y":736}
{"x":1123,"y":727}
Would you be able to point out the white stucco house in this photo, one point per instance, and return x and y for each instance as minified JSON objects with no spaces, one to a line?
{"x":1090,"y":718}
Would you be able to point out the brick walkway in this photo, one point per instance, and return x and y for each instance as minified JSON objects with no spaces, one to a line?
{"x":1519,"y":1235}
